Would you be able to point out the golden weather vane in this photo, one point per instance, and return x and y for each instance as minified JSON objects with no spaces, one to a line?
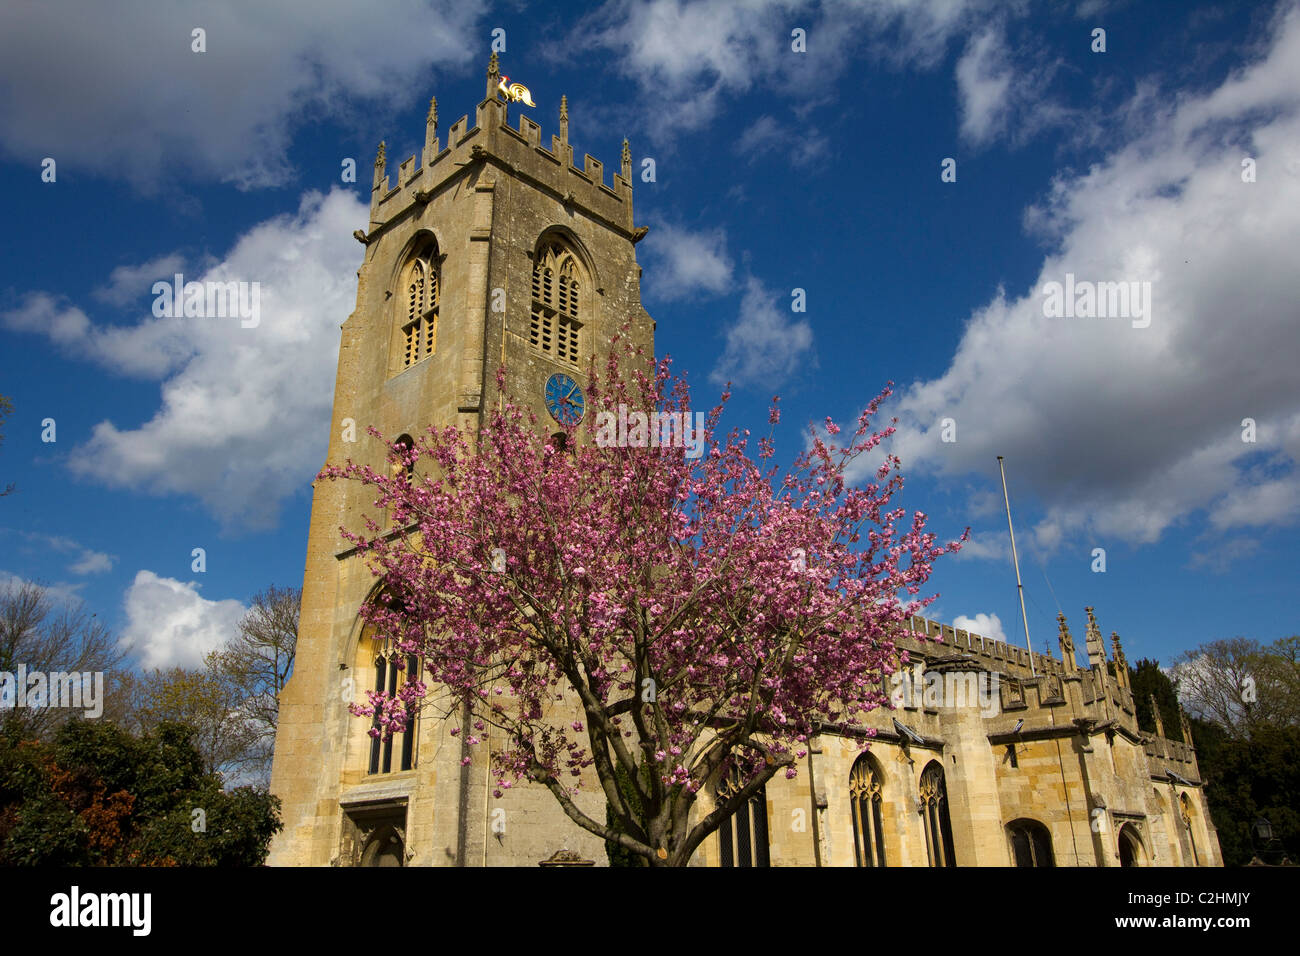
{"x":515,"y":92}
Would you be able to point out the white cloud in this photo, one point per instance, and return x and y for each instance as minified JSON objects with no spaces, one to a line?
{"x":983,"y":546}
{"x":60,"y":592}
{"x":762,"y":135}
{"x":801,"y":145}
{"x":1260,"y":505}
{"x":988,"y":626}
{"x":88,"y":560}
{"x":1091,"y":8}
{"x":766,"y":343}
{"x":43,"y":313}
{"x":129,"y":284}
{"x":92,"y":562}
{"x":984,"y":84}
{"x":148,"y":350}
{"x":1001,"y":94}
{"x":240,"y":424}
{"x":692,"y":56}
{"x":1223,"y":556}
{"x":169,"y":624}
{"x":129,"y":98}
{"x":686,"y":263}
{"x":1123,"y":431}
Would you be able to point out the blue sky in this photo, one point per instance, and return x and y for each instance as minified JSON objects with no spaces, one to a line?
{"x":774,"y":170}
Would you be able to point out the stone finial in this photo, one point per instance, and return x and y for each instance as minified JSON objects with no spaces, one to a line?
{"x":379,"y":180}
{"x":1121,"y":662}
{"x":627,"y":158}
{"x":1155,"y":711}
{"x":564,"y":120}
{"x":1096,"y":646}
{"x":1063,"y":631}
{"x":1186,"y":726}
{"x":431,"y":132}
{"x":1066,"y":642}
{"x":564,"y":107}
{"x":496,"y":114}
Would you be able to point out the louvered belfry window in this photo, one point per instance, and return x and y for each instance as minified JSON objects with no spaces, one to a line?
{"x":557,"y":313}
{"x":419,"y":305}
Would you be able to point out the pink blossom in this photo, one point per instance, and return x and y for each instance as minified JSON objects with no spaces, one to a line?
{"x":629,"y":565}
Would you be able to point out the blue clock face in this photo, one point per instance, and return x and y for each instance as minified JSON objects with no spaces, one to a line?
{"x":564,"y":399}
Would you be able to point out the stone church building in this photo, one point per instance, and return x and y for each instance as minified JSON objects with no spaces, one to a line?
{"x":500,"y":251}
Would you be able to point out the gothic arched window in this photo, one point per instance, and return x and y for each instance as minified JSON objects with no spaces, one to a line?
{"x":383,"y":668}
{"x":742,"y":839}
{"x":865,"y":786}
{"x":559,"y":288}
{"x":934,"y":812}
{"x":1031,"y":844}
{"x":417,"y":303}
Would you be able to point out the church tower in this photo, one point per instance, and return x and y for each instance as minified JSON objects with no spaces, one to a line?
{"x":496,"y":252}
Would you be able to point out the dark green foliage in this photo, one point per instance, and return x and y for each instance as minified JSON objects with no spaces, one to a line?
{"x":1249,"y":771}
{"x":1147,"y":678}
{"x":1247,"y":779}
{"x":99,"y":796}
{"x":240,"y":824}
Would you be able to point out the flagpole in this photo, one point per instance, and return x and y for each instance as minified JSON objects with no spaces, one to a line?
{"x":1020,"y":588}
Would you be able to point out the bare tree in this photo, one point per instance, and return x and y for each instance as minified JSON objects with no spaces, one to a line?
{"x":232,"y":702}
{"x":1279,"y":681}
{"x":1240,"y":683}
{"x":255,"y":665}
{"x":260,"y":658}
{"x":201,"y":699}
{"x":38,"y":636}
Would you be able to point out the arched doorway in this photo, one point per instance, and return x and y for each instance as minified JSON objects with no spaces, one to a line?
{"x":385,"y":847}
{"x":1131,"y":852}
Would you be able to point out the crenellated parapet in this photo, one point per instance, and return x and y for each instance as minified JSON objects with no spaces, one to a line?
{"x":921,"y":634}
{"x":1053,"y":692}
{"x":518,"y":150}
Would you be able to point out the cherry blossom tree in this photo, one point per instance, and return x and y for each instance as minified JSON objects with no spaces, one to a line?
{"x":669,"y":619}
